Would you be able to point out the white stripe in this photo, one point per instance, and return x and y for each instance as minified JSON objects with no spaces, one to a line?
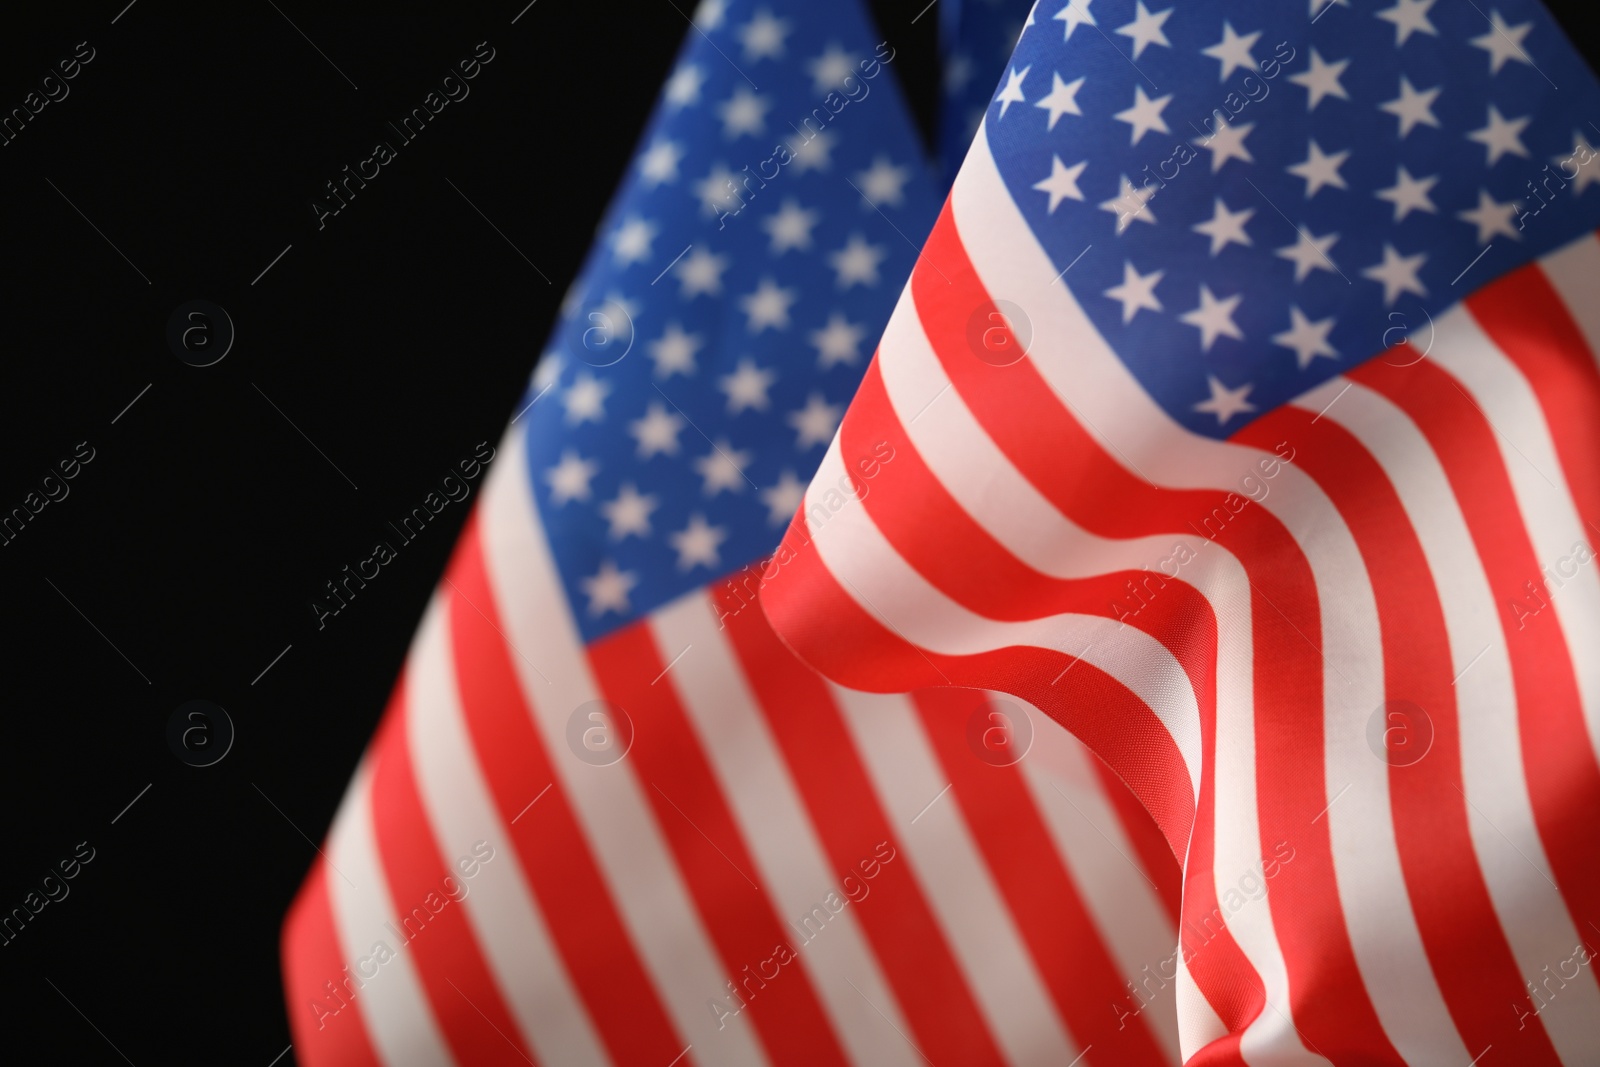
{"x":1508,"y":402}
{"x":608,"y":802}
{"x":499,"y":906}
{"x":968,"y":464}
{"x":955,"y":880}
{"x":392,"y":1002}
{"x":1531,"y":912}
{"x":1572,"y":271}
{"x":1198,"y":1022}
{"x":1086,"y":375}
{"x":852,"y":547}
{"x":751,"y":772}
{"x":1109,"y":873}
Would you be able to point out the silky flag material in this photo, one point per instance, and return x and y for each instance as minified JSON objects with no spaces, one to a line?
{"x":608,"y":817}
{"x":1246,"y":417}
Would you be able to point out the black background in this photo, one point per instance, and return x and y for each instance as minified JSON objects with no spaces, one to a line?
{"x":369,"y":359}
{"x":396,"y":338}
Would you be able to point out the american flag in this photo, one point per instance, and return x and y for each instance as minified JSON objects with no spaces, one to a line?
{"x":608,"y":816}
{"x":1246,"y":418}
{"x":975,"y":40}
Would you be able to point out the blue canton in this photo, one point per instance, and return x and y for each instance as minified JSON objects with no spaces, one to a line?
{"x":731,"y":303}
{"x":975,"y":40}
{"x":1266,"y":193}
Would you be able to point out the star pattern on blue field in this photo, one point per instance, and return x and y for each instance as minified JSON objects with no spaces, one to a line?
{"x":725,"y":316}
{"x":1264,"y":193}
{"x":975,"y":40}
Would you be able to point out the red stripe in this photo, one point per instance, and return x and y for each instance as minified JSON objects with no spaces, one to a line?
{"x":324,"y":1019}
{"x":600,"y":958}
{"x":1527,"y":320}
{"x":466,"y":1001}
{"x":1039,"y":891}
{"x":957,"y":556}
{"x":1155,"y":857}
{"x":1020,"y":412}
{"x":1471,"y":958}
{"x":844,"y":808}
{"x":696,"y":822}
{"x":1558,"y":761}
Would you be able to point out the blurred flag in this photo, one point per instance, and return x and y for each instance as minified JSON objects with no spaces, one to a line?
{"x":975,"y":40}
{"x":608,"y":817}
{"x":1247,"y":421}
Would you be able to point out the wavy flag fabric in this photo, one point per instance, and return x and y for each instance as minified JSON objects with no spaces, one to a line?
{"x":608,"y":817}
{"x":1246,"y":421}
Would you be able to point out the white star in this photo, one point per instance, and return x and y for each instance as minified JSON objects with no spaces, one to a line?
{"x":1225,"y":226}
{"x":1320,"y":169}
{"x":743,"y":113}
{"x":1061,"y":100}
{"x":658,"y":164}
{"x":717,"y":193}
{"x":709,"y":15}
{"x":619,"y":306}
{"x":747,"y":387}
{"x":763,"y":37}
{"x":1581,"y":155}
{"x":1503,"y":43}
{"x":1075,"y":14}
{"x":784,"y":499}
{"x":1130,"y":203}
{"x":837,"y":342}
{"x":1214,"y":318}
{"x":1408,"y":16}
{"x":1136,"y":291}
{"x":1492,"y":218}
{"x":674,"y":351}
{"x":1012,"y":92}
{"x":1225,"y":403}
{"x":1145,"y":114}
{"x":830,"y":69}
{"x":1502,"y":136}
{"x":883,"y":183}
{"x":700,"y":272}
{"x":569,"y":479}
{"x":1145,"y":29}
{"x":586,"y":400}
{"x":1233,"y":51}
{"x":1062,"y":184}
{"x":814,"y":424}
{"x":1309,"y":253}
{"x":631,"y":241}
{"x":1321,"y":80}
{"x":683,"y":88}
{"x":790,"y":227}
{"x":657,"y":432}
{"x":813,"y":154}
{"x":548,"y":371}
{"x":722,"y":468}
{"x":1227,"y":142}
{"x":1398,"y":274}
{"x":608,"y":589}
{"x":697,"y":543}
{"x":857,"y":262}
{"x":1308,"y":339}
{"x":629,"y":512}
{"x":768,"y":306}
{"x":1411,"y":107}
{"x":1408,"y":194}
